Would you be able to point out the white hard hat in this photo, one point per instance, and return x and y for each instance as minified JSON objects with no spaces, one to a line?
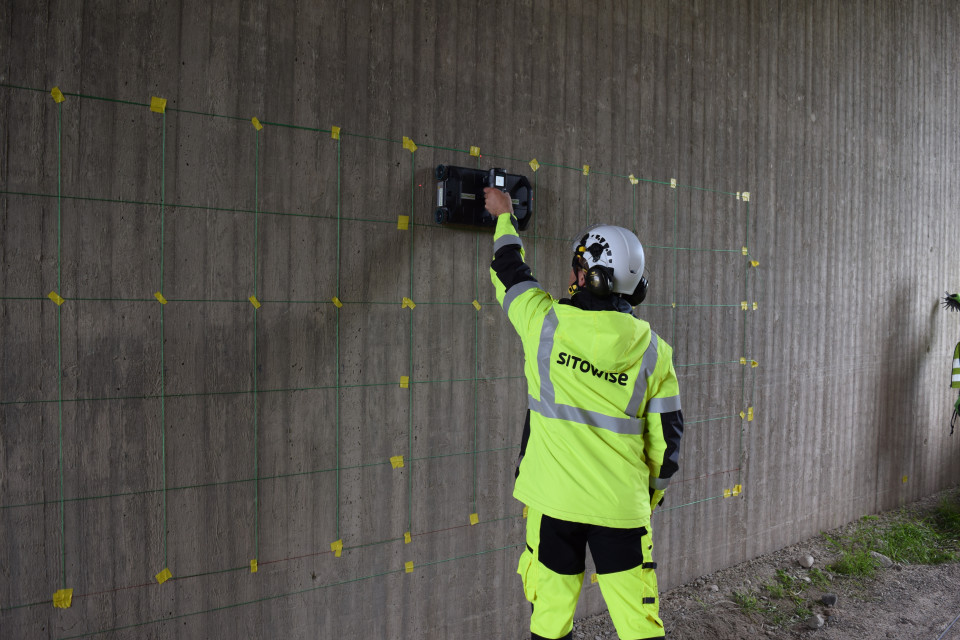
{"x":615,"y":248}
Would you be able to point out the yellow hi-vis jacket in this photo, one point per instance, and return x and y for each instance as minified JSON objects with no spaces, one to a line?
{"x":598,"y":382}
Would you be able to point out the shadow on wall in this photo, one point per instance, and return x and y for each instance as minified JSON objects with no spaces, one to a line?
{"x":901,"y":434}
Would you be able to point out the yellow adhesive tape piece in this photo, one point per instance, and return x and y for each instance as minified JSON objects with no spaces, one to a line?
{"x":743,"y":250}
{"x":633,"y":180}
{"x":594,"y":578}
{"x":163,"y":576}
{"x":407,"y":302}
{"x":749,"y":414}
{"x":53,"y":295}
{"x":335,"y":133}
{"x":754,"y":364}
{"x":534,"y":165}
{"x":403,"y":222}
{"x":673,"y":183}
{"x":743,"y":305}
{"x":673,"y":304}
{"x":754,"y":306}
{"x":336,"y":302}
{"x":408,"y":566}
{"x":726,"y":493}
{"x":742,"y":415}
{"x":743,"y":361}
{"x":63,"y":598}
{"x":754,"y":263}
{"x":160,"y":298}
{"x":476,"y":305}
{"x":253,"y":566}
{"x":904,"y":480}
{"x":406,"y":537}
{"x":475,"y":152}
{"x":396,"y":462}
{"x":526,"y":510}
{"x":745,"y":196}
{"x":474,"y":519}
{"x":586,"y":169}
{"x":158,"y":105}
{"x":404,"y":382}
{"x":253,"y":300}
{"x":736,"y":491}
{"x":409,"y":144}
{"x":256,"y":123}
{"x":337,"y":547}
{"x":57,"y":97}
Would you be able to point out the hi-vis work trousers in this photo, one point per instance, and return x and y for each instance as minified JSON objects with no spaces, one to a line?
{"x":552,"y":568}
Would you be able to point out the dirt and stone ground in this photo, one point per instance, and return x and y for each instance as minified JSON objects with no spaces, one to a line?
{"x":902,"y":601}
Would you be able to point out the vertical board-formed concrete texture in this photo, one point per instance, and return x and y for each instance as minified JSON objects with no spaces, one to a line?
{"x":266,"y":355}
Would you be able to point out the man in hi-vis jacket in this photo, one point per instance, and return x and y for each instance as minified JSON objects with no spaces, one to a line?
{"x":602,"y":435}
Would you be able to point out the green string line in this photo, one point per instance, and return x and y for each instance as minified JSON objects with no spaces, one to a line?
{"x":281,"y":595}
{"x":413,"y":171}
{"x":163,"y":382}
{"x":676,"y":240}
{"x":337,"y":334}
{"x":588,"y":199}
{"x":63,"y":536}
{"x":281,"y":476}
{"x":256,"y":314}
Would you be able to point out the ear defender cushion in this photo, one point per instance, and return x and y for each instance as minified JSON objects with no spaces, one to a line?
{"x":639,"y":293}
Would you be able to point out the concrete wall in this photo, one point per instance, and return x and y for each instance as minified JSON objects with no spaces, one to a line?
{"x":204,"y":433}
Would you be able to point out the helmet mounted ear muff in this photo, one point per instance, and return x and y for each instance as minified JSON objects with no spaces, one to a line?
{"x":639,"y":294}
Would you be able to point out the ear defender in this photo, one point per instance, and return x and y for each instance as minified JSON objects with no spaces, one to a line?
{"x":639,"y":293}
{"x":599,"y":281}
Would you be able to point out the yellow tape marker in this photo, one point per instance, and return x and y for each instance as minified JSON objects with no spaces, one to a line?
{"x":336,"y":302}
{"x":253,"y":300}
{"x":526,"y":510}
{"x":403,"y":222}
{"x":534,"y":165}
{"x":408,"y":566}
{"x":476,"y":305}
{"x":904,"y":480}
{"x":743,"y":305}
{"x":474,"y":519}
{"x":409,"y":144}
{"x":407,"y":302}
{"x":594,"y":578}
{"x":58,"y":98}
{"x":633,"y":180}
{"x":63,"y":598}
{"x":745,"y":196}
{"x":475,"y":152}
{"x":742,"y":415}
{"x":53,"y":295}
{"x":253,"y":566}
{"x":754,"y":263}
{"x":404,"y":382}
{"x":337,"y":547}
{"x":736,"y":490}
{"x":673,"y":183}
{"x":396,"y":462}
{"x":743,"y":250}
{"x":754,"y":306}
{"x":158,"y":105}
{"x":743,"y":361}
{"x":160,"y":298}
{"x":335,"y":133}
{"x":726,"y":493}
{"x":163,"y":576}
{"x":406,"y":537}
{"x":749,"y":414}
{"x":586,"y":169}
{"x":256,"y":123}
{"x":754,"y":364}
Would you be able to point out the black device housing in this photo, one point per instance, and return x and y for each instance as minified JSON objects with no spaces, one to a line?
{"x":460,"y":196}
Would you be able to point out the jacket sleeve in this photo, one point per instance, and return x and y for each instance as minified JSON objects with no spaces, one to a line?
{"x":518,"y":292}
{"x":664,"y":424}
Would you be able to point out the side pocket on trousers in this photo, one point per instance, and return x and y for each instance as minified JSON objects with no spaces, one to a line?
{"x":528,"y":573}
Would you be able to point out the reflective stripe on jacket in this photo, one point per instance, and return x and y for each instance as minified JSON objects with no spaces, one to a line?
{"x":602,"y":392}
{"x":955,"y":376}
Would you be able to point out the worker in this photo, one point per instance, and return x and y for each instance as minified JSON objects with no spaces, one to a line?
{"x":602,"y":432}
